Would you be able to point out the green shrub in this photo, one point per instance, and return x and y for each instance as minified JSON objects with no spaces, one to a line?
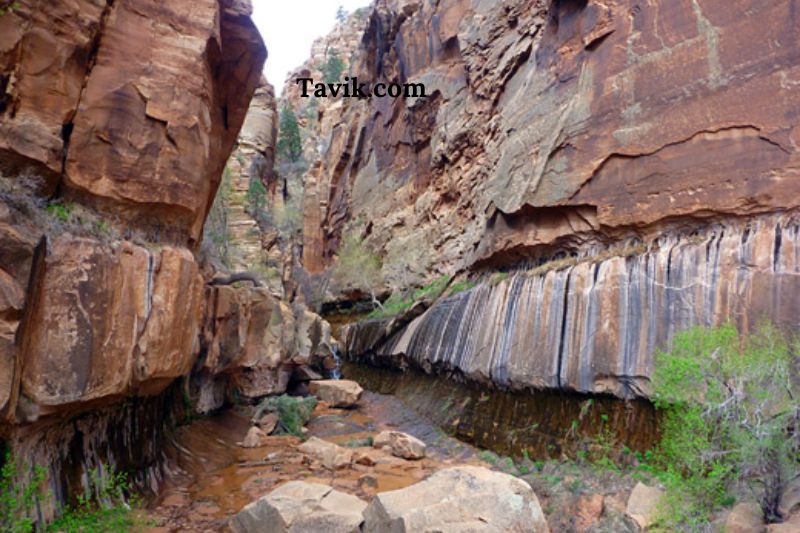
{"x":103,"y":508}
{"x":359,"y":443}
{"x":17,"y":498}
{"x":358,"y":266}
{"x":397,"y":302}
{"x":728,"y":410}
{"x":461,"y":286}
{"x":62,"y":212}
{"x":293,"y":412}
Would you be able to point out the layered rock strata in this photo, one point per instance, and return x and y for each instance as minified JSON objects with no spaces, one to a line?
{"x":127,"y":110}
{"x":592,"y":324}
{"x":553,"y":124}
{"x":251,"y":342}
{"x":105,"y":99}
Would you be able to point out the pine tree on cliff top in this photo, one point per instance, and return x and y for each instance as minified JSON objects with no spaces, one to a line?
{"x":289,"y":143}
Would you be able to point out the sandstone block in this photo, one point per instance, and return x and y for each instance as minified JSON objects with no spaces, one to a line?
{"x":400,"y":444}
{"x":331,"y":455}
{"x":336,"y":392}
{"x":301,"y":507}
{"x":458,"y":499}
{"x":642,"y":504}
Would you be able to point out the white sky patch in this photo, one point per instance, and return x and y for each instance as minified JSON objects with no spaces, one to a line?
{"x":290,"y":26}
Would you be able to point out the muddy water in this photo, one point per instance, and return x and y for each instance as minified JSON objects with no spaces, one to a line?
{"x":544,"y":425}
{"x":210,"y":477}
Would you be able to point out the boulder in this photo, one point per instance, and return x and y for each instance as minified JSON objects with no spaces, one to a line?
{"x":331,"y":455}
{"x":253,"y":438}
{"x":745,"y":518}
{"x":336,"y":392}
{"x":466,"y":498}
{"x":301,"y":507}
{"x":400,"y":444}
{"x":268,"y":422}
{"x":589,"y":511}
{"x":642,"y":504}
{"x":790,"y":498}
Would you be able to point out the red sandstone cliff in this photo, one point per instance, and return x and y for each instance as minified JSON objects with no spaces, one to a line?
{"x":552,"y":125}
{"x":116,"y":121}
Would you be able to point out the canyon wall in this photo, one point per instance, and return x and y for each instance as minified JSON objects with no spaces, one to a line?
{"x":593,"y":324}
{"x":552,"y":124}
{"x":116,"y":121}
{"x":634,"y":165}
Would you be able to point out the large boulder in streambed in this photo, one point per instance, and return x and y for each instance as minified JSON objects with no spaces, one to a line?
{"x":301,"y":507}
{"x":465,"y":498}
{"x":400,"y":444}
{"x":336,"y":392}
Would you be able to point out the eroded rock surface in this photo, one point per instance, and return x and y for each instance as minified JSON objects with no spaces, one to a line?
{"x":553,"y":124}
{"x":593,"y":323}
{"x":116,"y":97}
{"x":104,"y":321}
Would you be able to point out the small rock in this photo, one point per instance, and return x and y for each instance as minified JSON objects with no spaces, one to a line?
{"x":589,"y":511}
{"x":368,"y":481}
{"x":466,"y":498}
{"x":745,"y":518}
{"x":790,"y":499}
{"x":301,"y":507}
{"x":253,"y":438}
{"x":332,"y":456}
{"x":364,"y":457}
{"x":336,"y":392}
{"x":400,"y":444}
{"x":268,"y":422}
{"x":642,"y":504}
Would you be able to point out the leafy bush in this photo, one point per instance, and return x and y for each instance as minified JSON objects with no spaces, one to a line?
{"x":105,"y":508}
{"x":461,"y":286}
{"x":358,"y":266}
{"x":397,"y":303}
{"x":60,"y":211}
{"x":729,"y":410}
{"x":293,"y":412}
{"x":17,"y":498}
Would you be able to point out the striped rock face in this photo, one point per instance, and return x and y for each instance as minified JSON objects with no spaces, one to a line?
{"x":594,"y":325}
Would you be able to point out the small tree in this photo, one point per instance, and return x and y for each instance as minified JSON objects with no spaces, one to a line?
{"x":729,"y":411}
{"x":215,"y":233}
{"x":290,"y":145}
{"x":358,"y":266}
{"x":256,"y":198}
{"x":341,"y":14}
{"x":333,"y":68}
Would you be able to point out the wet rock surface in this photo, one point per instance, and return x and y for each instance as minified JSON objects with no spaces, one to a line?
{"x":209,"y":472}
{"x":592,"y":324}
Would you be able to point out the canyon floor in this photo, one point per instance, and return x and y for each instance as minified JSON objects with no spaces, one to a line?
{"x":212,"y":476}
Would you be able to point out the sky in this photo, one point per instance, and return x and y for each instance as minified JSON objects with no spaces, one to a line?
{"x":290,"y":26}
